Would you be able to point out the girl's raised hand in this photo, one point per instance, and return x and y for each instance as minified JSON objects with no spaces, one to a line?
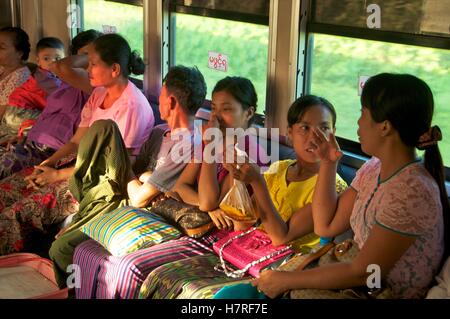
{"x":326,"y":147}
{"x":241,"y":168}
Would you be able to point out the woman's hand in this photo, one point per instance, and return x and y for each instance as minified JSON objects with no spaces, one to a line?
{"x":326,"y":148}
{"x":272,"y":283}
{"x":41,"y":176}
{"x":219,"y":219}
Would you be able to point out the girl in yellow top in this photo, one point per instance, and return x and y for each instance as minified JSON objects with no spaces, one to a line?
{"x":284,"y":193}
{"x":291,"y":196}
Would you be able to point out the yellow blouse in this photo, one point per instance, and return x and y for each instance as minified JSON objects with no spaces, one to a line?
{"x":288,"y":199}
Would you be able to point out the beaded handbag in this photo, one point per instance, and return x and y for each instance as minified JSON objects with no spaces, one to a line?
{"x":250,"y":251}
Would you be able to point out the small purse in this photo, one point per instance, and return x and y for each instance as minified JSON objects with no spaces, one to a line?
{"x":250,"y":251}
{"x":188,"y":218}
{"x":329,"y":254}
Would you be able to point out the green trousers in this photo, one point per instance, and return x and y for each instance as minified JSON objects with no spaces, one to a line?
{"x":99,"y":184}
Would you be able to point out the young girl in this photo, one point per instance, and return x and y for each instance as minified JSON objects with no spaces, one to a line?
{"x":205,"y":184}
{"x":397,"y":206}
{"x":283,"y":196}
{"x":116,"y":99}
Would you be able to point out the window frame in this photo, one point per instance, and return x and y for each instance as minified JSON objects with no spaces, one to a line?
{"x":138,"y":3}
{"x":431,"y":41}
{"x":219,"y":14}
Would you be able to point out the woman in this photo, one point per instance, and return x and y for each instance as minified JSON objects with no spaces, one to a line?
{"x":14,"y":52}
{"x":205,"y":183}
{"x":233,"y":102}
{"x":115,"y":98}
{"x":397,"y":206}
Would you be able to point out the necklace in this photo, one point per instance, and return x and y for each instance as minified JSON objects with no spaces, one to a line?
{"x":379,"y":182}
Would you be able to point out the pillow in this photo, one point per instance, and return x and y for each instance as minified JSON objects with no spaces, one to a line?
{"x":128,"y":229}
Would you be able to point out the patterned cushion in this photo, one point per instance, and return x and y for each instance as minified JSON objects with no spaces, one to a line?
{"x":128,"y":229}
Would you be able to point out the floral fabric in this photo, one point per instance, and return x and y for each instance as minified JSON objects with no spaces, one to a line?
{"x":24,"y":211}
{"x":407,"y":203}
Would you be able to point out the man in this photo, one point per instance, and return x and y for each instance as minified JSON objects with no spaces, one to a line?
{"x":103,"y":179}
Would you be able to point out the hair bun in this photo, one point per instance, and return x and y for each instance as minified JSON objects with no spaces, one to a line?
{"x":136,"y":64}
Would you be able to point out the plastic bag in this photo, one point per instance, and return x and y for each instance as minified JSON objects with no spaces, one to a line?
{"x":237,"y":203}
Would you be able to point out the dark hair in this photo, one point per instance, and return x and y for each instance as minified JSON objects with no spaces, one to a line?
{"x":21,"y":40}
{"x":188,"y":86}
{"x":241,"y":89}
{"x":113,"y":48}
{"x":407,"y":103}
{"x":303,"y":103}
{"x":49,"y":43}
{"x":82,"y":39}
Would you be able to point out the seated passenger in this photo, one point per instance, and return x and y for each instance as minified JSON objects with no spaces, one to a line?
{"x":115,"y":98}
{"x":103,"y":174}
{"x":397,"y":206}
{"x":283,"y":196}
{"x":14,"y":52}
{"x":27,"y":101}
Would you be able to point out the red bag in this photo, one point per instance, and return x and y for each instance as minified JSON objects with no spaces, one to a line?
{"x":251,"y":251}
{"x":28,"y":276}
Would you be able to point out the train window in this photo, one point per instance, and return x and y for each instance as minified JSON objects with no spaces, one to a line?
{"x":255,"y":11}
{"x":222,"y":47}
{"x":123,"y":17}
{"x":341,"y":63}
{"x":197,"y":38}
